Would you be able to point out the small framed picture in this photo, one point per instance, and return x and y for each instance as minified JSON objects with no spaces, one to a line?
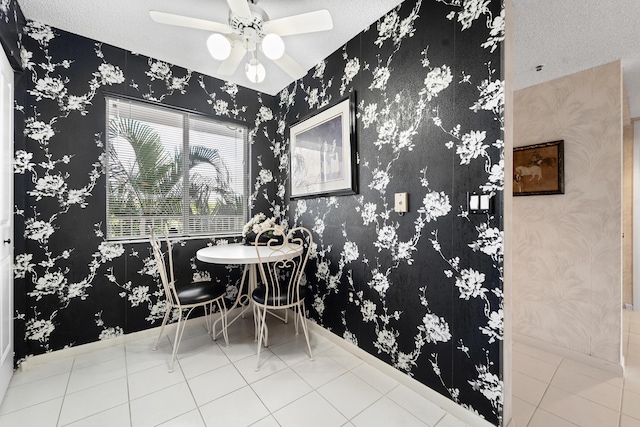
{"x":538,"y":169}
{"x":323,"y":152}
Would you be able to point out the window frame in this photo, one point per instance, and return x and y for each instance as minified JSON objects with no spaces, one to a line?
{"x":186,"y":215}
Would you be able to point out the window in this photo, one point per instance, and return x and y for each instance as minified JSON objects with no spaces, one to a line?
{"x":173,"y":171}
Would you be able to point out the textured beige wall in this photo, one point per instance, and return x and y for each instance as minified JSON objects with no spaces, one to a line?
{"x":627,"y":216}
{"x":567,"y":249}
{"x":507,"y":383}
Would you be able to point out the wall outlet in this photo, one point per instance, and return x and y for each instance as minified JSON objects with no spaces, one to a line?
{"x":401,"y":202}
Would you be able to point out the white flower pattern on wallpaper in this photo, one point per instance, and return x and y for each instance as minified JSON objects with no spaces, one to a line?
{"x":224,"y":107}
{"x":50,"y":183}
{"x":362,"y":279}
{"x":397,"y":119}
{"x":472,"y":10}
{"x":162,"y":71}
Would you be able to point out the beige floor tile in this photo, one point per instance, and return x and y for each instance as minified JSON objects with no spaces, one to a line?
{"x":634,"y":317}
{"x":597,"y":391}
{"x":528,"y":389}
{"x":593,"y":372}
{"x":533,"y":367}
{"x":631,"y":404}
{"x":627,"y":421}
{"x":633,"y":350}
{"x":625,"y":345}
{"x":632,"y":384}
{"x":631,"y":362}
{"x":542,"y":418}
{"x":522,"y":411}
{"x":577,"y":409}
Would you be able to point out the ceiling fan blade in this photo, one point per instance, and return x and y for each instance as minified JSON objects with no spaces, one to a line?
{"x":240,"y":8}
{"x":291,"y":67}
{"x":229,"y":66}
{"x":186,"y":21}
{"x":310,"y":22}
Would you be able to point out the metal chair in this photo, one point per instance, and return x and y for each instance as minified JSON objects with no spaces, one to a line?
{"x":187,"y":297}
{"x":281,"y":269}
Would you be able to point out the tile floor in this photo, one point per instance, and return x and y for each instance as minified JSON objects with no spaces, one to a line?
{"x":552,"y":391}
{"x":128,"y":385}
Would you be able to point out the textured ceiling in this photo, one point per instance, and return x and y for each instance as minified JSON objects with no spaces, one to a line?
{"x":566,"y":36}
{"x":126,"y":24}
{"x":573,"y":35}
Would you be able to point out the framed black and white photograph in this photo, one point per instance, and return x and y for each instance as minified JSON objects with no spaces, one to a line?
{"x":323,"y":152}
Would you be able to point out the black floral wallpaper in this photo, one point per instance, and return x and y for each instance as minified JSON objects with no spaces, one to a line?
{"x":422,"y":291}
{"x":11,"y":22}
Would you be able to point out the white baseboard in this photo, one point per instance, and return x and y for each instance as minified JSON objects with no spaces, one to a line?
{"x":54,"y":356}
{"x":448,"y":405}
{"x":570,"y":354}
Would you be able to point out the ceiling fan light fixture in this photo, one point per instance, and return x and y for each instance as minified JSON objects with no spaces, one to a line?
{"x":255,"y":71}
{"x":273,"y":46}
{"x":219,"y":46}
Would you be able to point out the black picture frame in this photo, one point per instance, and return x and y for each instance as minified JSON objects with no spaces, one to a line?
{"x":323,"y":152}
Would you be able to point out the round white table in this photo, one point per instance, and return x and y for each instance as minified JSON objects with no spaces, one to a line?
{"x":238,"y":253}
{"x":247,"y":255}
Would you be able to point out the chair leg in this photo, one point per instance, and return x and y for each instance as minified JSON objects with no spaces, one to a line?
{"x":296,"y":310}
{"x":179,"y":331}
{"x":207,"y":317}
{"x":164,"y":323}
{"x":211,"y":329}
{"x":303,"y":319}
{"x":223,"y":319}
{"x":262,"y":327}
{"x":256,"y":322}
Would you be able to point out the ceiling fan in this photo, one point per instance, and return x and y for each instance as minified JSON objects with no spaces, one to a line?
{"x":248,"y":31}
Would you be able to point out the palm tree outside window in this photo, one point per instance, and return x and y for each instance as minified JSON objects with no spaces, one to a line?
{"x":174,"y":172}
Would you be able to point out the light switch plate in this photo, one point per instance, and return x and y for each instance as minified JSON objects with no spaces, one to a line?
{"x":401,"y":202}
{"x":479,"y":203}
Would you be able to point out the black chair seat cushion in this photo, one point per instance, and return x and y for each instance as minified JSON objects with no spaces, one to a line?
{"x":198,"y":292}
{"x":258,"y":296}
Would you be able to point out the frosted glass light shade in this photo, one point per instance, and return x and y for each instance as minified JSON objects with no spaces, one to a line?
{"x":273,"y":46}
{"x":219,"y":46}
{"x":255,"y":71}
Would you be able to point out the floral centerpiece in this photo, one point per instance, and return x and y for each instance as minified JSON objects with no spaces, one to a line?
{"x":259,"y":223}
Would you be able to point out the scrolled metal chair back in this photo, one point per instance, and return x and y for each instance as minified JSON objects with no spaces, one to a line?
{"x":166,"y":275}
{"x":282,"y":268}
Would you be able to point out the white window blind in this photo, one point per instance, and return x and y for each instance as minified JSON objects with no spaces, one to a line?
{"x":173,"y":171}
